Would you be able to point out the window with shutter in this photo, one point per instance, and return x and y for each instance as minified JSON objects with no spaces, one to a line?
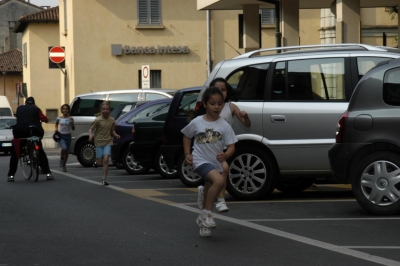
{"x":149,"y":12}
{"x":268,"y":16}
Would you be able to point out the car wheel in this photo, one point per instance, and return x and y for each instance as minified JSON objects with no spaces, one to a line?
{"x":252,"y":174}
{"x":162,"y":168}
{"x":376,"y":183}
{"x":86,"y":154}
{"x":293,"y":185}
{"x":131,"y":166}
{"x":187,"y":175}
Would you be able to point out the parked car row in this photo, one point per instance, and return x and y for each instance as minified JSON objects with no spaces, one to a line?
{"x":84,"y":108}
{"x":295,"y":100}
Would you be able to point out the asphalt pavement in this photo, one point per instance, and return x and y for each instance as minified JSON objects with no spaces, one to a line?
{"x":148,"y":220}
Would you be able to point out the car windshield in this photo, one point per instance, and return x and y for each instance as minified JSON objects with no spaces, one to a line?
{"x":6,"y":123}
{"x":5,"y":111}
{"x":148,"y":111}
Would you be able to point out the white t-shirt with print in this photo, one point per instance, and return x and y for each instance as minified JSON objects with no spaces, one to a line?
{"x":65,"y":125}
{"x":210,"y":138}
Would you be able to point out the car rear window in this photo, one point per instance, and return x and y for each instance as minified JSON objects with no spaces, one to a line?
{"x":5,"y":112}
{"x":187,"y":104}
{"x":87,"y":105}
{"x":391,"y":87}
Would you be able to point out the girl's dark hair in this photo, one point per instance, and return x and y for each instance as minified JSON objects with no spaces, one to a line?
{"x":69,"y":109}
{"x":229,"y":89}
{"x":210,"y":91}
{"x":206,"y":96}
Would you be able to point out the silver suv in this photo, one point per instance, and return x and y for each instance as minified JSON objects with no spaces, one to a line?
{"x":294,"y":99}
{"x":84,"y":108}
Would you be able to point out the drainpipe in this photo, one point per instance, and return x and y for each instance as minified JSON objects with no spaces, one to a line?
{"x":209,"y":66}
{"x":278,"y":33}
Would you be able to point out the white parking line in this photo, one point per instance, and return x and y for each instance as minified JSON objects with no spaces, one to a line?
{"x":321,"y":219}
{"x":334,"y":248}
{"x":371,"y":247}
{"x":305,"y":240}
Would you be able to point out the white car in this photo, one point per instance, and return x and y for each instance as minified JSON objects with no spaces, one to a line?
{"x":85,"y":107}
{"x":6,"y":134}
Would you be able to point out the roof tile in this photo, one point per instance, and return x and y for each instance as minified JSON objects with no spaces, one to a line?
{"x":11,"y":61}
{"x":47,"y":15}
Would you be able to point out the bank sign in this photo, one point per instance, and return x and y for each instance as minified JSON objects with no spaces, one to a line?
{"x":117,"y":49}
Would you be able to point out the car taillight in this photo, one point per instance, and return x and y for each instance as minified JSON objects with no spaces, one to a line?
{"x":133,"y":132}
{"x":340,"y":129}
{"x":197,"y":107}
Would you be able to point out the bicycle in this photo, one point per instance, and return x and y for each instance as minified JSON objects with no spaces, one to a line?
{"x":30,"y":156}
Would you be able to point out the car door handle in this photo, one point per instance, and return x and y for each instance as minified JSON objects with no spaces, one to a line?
{"x":278,"y":119}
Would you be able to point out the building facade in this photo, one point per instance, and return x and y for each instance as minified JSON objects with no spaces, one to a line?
{"x":108,"y":42}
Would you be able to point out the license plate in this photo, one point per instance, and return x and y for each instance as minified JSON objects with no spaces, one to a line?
{"x":6,"y":144}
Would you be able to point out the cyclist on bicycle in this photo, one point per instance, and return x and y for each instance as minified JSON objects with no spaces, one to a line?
{"x":29,"y":115}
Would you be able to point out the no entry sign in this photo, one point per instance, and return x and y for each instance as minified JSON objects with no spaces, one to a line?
{"x":57,"y":54}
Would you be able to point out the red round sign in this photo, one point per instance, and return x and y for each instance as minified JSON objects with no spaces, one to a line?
{"x":145,"y":72}
{"x":57,"y":54}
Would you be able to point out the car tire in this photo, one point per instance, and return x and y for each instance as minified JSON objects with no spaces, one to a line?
{"x":376,"y":182}
{"x":162,"y":168}
{"x":252,"y":174}
{"x":131,"y":166}
{"x":86,"y":154}
{"x":293,"y":185}
{"x":187,"y":175}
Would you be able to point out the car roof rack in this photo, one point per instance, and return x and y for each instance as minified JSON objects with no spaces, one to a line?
{"x":365,"y":46}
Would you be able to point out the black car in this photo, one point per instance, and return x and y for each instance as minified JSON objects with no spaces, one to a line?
{"x":147,"y":138}
{"x":182,"y":106}
{"x":367,"y":149}
{"x":120,"y":154}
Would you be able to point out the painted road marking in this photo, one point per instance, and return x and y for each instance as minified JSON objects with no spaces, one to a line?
{"x":334,"y":248}
{"x":302,"y":239}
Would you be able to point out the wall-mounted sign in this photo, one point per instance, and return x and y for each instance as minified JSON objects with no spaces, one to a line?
{"x":116,"y":49}
{"x":56,"y":56}
{"x":145,"y":77}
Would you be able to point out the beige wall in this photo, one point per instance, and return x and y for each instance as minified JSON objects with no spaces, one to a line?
{"x":376,"y":17}
{"x":42,"y":83}
{"x":224,"y":35}
{"x":10,"y":80}
{"x":91,"y":66}
{"x":309,"y":26}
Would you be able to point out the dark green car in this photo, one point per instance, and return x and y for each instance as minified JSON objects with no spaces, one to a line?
{"x":147,"y":138}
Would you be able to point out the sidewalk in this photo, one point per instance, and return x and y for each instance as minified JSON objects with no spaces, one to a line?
{"x":48,"y":141}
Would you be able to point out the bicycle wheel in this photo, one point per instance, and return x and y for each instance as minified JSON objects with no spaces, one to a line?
{"x":35,"y":161}
{"x":25,"y":164}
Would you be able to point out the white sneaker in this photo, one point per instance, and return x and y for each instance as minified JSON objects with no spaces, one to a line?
{"x":204,"y":231}
{"x":207,"y":220}
{"x":200,"y":197}
{"x":221,"y":206}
